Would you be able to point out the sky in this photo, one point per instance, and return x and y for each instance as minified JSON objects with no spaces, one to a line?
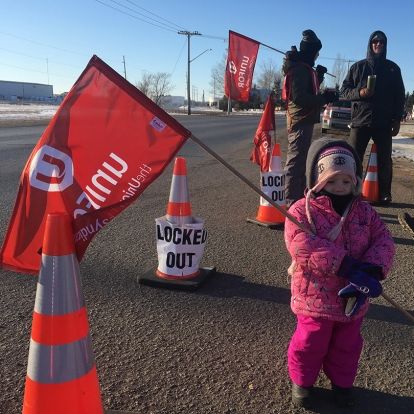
{"x":51,"y":41}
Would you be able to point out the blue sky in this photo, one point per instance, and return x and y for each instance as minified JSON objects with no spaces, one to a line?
{"x":46,"y":41}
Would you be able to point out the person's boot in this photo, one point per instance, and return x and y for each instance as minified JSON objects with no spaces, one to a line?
{"x":301,"y":396}
{"x":343,"y":397}
{"x":385,"y":200}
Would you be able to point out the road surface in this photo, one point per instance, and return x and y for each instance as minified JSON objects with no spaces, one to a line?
{"x":222,"y":348}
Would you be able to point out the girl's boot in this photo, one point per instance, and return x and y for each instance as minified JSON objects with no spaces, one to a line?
{"x":301,"y":396}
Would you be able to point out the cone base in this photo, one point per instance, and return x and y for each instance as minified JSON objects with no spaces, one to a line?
{"x":81,"y":395}
{"x":370,"y":192}
{"x":371,"y":198}
{"x":266,"y":224}
{"x":150,"y":278}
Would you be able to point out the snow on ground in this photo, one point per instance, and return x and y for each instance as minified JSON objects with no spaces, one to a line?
{"x":402,"y":144}
{"x":26,"y":111}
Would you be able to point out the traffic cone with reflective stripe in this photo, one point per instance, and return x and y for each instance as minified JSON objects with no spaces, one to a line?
{"x":273,"y":185}
{"x":178,"y":214}
{"x":179,"y":207}
{"x":180,"y":240}
{"x":370,"y":187}
{"x":61,"y":372}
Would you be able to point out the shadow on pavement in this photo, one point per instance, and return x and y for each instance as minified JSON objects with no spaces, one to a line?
{"x":367,"y":401}
{"x":401,"y":205}
{"x":400,"y":240}
{"x":228,"y":285}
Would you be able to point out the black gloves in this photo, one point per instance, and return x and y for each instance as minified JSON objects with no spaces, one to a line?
{"x":395,"y":128}
{"x":320,"y":72}
{"x":330,"y":95}
{"x":292,"y":54}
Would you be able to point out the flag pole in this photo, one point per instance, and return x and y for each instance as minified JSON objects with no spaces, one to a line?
{"x":250,"y":184}
{"x":282,"y":210}
{"x":283,"y":53}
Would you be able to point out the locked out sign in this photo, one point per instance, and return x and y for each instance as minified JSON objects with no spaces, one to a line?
{"x":180,"y":248}
{"x":273,"y":185}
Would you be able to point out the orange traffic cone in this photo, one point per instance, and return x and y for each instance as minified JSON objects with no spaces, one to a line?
{"x":273,"y":185}
{"x":61,"y":372}
{"x":179,"y":207}
{"x":370,"y":188}
{"x":180,"y":240}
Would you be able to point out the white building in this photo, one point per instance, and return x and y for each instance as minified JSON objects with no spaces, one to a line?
{"x":12,"y":91}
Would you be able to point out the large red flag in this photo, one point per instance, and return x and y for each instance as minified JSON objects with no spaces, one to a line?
{"x":104,"y":146}
{"x":261,"y":153}
{"x":241,"y":59}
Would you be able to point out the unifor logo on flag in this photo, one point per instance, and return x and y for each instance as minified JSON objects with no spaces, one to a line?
{"x":241,"y":59}
{"x":106,"y":143}
{"x":261,"y":153}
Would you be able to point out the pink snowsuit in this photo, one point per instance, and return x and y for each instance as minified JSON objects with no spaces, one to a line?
{"x":325,"y":337}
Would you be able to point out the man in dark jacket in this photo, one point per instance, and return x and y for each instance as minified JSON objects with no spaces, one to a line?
{"x":376,"y":112}
{"x":301,"y":91}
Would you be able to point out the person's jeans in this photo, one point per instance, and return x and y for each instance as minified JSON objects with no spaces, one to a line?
{"x":299,"y":140}
{"x":359,"y":138}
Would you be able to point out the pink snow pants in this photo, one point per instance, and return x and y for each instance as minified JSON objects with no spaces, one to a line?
{"x":319,"y":344}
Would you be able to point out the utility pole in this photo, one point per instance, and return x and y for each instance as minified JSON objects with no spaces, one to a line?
{"x":124,"y":67}
{"x":188,"y":34}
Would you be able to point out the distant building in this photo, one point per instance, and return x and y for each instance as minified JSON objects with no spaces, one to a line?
{"x":172,"y":102}
{"x":14,"y":91}
{"x":260,"y":93}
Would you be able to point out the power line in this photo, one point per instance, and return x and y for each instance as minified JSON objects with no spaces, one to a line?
{"x":171,"y":26}
{"x":156,"y":15}
{"x":165,"y":27}
{"x":42,"y":44}
{"x":179,"y":57}
{"x":39,"y":58}
{"x":214,"y":37}
{"x":338,"y":59}
{"x":38,"y":71}
{"x":141,"y":14}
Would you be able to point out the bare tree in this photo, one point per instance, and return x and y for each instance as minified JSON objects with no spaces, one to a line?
{"x":161,"y":86}
{"x":217,"y":78}
{"x":144,"y":85}
{"x":155,"y":85}
{"x":269,"y":77}
{"x":339,"y":70}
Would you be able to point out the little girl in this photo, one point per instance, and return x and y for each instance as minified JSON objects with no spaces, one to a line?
{"x":335,"y":268}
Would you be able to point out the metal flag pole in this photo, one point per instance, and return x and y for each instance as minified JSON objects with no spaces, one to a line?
{"x":283,"y":53}
{"x":282,"y":210}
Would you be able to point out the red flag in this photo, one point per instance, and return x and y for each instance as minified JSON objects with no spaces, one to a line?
{"x":104,"y":146}
{"x":241,"y":59}
{"x":262,"y":140}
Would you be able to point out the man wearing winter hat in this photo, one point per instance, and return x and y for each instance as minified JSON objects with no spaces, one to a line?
{"x":376,"y":111}
{"x":304,"y":103}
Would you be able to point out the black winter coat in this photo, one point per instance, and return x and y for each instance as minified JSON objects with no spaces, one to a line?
{"x":387,"y":103}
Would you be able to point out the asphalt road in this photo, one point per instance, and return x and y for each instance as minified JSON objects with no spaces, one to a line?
{"x":222,"y":348}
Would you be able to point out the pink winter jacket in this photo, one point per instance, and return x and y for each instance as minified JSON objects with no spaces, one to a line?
{"x":316,"y":259}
